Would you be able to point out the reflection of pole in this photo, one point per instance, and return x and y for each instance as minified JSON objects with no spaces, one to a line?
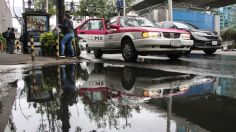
{"x":169,"y":109}
{"x":59,"y":77}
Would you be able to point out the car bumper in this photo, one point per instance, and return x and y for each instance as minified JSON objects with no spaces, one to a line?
{"x":162,"y":45}
{"x":207,"y":45}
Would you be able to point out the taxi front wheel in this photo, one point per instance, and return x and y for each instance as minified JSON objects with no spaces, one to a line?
{"x":98,"y":53}
{"x":128,"y":51}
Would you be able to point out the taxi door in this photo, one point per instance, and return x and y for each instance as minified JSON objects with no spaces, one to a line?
{"x":93,"y":31}
{"x":112,"y":39}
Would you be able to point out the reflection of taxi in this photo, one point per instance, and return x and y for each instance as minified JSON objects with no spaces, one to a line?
{"x":133,"y":36}
{"x":132,"y":81}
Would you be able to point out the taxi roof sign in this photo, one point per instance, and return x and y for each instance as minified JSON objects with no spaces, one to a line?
{"x":132,"y":13}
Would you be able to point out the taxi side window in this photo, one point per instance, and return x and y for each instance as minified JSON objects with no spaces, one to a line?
{"x":93,"y":25}
{"x":168,"y":25}
{"x":84,"y":27}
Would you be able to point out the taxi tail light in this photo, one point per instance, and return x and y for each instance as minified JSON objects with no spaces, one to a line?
{"x":185,"y":36}
{"x":146,"y":93}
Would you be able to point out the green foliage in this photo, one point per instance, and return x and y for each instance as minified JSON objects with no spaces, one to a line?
{"x":229,"y":34}
{"x":48,"y":39}
{"x":99,"y":8}
{"x":40,"y":5}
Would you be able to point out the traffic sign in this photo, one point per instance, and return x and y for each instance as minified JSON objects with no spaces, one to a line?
{"x":119,"y":4}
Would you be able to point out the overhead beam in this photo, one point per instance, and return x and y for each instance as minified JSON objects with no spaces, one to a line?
{"x":201,"y":3}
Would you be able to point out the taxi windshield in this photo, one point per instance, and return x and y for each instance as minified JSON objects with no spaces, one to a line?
{"x":136,"y":22}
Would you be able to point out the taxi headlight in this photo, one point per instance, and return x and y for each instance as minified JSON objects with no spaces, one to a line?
{"x":185,"y":36}
{"x":145,"y":35}
{"x":151,"y":35}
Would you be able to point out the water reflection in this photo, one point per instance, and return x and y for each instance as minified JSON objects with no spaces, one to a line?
{"x":105,"y":97}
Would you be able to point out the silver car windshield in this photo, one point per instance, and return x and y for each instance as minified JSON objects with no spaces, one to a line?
{"x":184,"y":26}
{"x":136,"y":22}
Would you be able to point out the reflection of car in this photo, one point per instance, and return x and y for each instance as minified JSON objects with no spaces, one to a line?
{"x":134,"y":81}
{"x":133,"y":36}
{"x":205,"y":40}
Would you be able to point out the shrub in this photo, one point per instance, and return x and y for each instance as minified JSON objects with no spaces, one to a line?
{"x":48,"y":39}
{"x":229,"y":34}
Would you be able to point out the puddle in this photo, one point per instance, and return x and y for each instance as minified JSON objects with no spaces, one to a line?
{"x":96,"y":97}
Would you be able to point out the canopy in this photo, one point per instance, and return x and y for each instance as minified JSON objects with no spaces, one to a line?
{"x":201,"y":3}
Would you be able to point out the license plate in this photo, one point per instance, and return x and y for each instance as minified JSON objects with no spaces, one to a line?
{"x":214,"y":42}
{"x":175,"y":43}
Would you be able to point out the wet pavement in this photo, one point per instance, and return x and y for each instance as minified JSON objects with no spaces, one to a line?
{"x":220,"y":64}
{"x":107,"y":97}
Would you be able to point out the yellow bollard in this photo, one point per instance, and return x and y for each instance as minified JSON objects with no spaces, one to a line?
{"x":57,"y":48}
{"x":32,"y":47}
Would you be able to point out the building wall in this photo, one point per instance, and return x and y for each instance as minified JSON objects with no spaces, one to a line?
{"x":5,"y":16}
{"x":227,"y":16}
{"x":200,"y":19}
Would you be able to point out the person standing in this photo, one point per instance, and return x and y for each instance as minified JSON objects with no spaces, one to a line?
{"x":67,"y":29}
{"x":6,"y":36}
{"x":12,"y":39}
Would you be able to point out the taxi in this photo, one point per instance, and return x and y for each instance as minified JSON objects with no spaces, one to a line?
{"x":133,"y":36}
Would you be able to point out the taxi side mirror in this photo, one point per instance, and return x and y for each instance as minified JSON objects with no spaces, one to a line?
{"x":114,"y":27}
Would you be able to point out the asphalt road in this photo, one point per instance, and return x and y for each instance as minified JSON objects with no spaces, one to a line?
{"x":221,"y":64}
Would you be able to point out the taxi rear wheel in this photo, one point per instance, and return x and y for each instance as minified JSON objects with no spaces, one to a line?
{"x":128,"y":51}
{"x":98,"y":53}
{"x":209,"y":51}
{"x":175,"y":56}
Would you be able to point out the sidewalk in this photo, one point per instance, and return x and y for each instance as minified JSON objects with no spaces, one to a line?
{"x":16,"y":59}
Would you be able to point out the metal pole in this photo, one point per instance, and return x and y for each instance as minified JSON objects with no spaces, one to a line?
{"x":46,"y":6}
{"x":23,"y":6}
{"x":170,"y":11}
{"x":60,"y":10}
{"x":124,"y":6}
{"x":167,"y":14}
